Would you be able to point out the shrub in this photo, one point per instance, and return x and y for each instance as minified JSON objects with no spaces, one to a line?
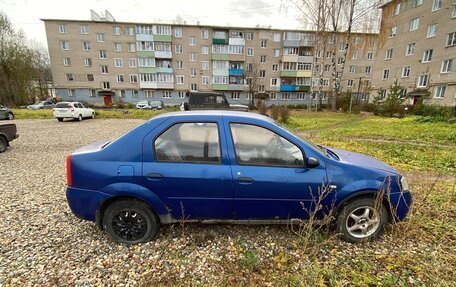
{"x":262,"y":109}
{"x":438,"y":112}
{"x":274,"y":112}
{"x":284,"y":114}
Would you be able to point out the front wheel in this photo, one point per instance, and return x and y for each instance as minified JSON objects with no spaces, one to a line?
{"x":361,"y":220}
{"x":80,"y":118}
{"x":130,"y":222}
{"x":93,"y":115}
{"x":10,"y":116}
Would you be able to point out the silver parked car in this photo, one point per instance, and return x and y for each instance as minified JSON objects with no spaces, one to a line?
{"x":5,"y":113}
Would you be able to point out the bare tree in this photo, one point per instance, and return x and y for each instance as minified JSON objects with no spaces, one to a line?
{"x":252,"y":79}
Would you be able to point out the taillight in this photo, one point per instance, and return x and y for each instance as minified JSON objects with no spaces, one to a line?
{"x":72,"y":110}
{"x":68,"y":171}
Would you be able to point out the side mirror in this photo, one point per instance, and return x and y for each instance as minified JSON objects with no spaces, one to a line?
{"x":312,"y":162}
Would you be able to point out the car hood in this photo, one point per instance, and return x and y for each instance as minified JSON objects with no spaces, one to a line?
{"x":362,"y":160}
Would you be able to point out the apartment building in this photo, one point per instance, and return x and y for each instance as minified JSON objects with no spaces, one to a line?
{"x":417,"y":47}
{"x":104,"y":61}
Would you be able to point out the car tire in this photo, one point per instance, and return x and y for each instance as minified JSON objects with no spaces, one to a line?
{"x":360,"y":220}
{"x":10,"y":116}
{"x":3,"y":144}
{"x":93,"y":115}
{"x":60,"y":119}
{"x":130,"y":222}
{"x":80,"y":117}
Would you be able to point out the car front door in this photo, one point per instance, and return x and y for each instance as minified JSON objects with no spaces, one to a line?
{"x":185,"y":165}
{"x":270,"y":179}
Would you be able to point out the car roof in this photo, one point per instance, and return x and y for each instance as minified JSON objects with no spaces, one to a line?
{"x":202,"y":113}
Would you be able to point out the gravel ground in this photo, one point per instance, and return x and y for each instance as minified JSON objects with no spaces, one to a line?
{"x":43,"y":244}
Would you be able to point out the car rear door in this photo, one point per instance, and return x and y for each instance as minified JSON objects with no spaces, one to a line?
{"x":185,"y":164}
{"x":269,"y":177}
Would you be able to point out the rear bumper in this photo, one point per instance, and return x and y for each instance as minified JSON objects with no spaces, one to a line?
{"x":84,"y":203}
{"x":16,"y":136}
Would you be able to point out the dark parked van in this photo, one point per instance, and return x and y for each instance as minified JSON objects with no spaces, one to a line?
{"x":210,"y":101}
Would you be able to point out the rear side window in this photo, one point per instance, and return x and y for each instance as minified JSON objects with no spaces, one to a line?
{"x":256,"y":145}
{"x":189,"y":142}
{"x":62,"y":105}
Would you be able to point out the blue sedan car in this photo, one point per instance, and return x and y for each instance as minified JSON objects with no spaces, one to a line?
{"x":227,"y":166}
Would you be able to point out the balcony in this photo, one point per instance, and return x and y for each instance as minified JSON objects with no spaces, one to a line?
{"x":147,"y":69}
{"x":163,"y":54}
{"x":305,"y":59}
{"x":289,"y":74}
{"x":221,"y":41}
{"x":144,"y":37}
{"x":236,"y":72}
{"x":304,"y":74}
{"x":303,"y":88}
{"x":287,"y":88}
{"x":307,"y":42}
{"x":223,"y":57}
{"x":145,"y":54}
{"x":220,"y":87}
{"x":220,"y":72}
{"x":237,"y":41}
{"x":164,"y":70}
{"x":289,"y":58}
{"x":292,"y":43}
{"x":236,"y":87}
{"x":162,"y":38}
{"x":156,"y":85}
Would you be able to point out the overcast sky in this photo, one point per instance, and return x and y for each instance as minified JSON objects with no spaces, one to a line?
{"x":25,"y":14}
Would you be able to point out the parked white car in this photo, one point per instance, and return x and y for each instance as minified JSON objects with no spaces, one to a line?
{"x":72,"y":110}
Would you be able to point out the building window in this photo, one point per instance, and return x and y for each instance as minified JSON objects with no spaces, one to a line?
{"x":134,"y":94}
{"x":263,"y":59}
{"x":432,"y":31}
{"x":370,"y":55}
{"x":446,"y":66}
{"x":453,"y":13}
{"x":90,"y":77}
{"x":355,"y":55}
{"x":414,"y":24}
{"x":71,"y":93}
{"x":88,"y":62}
{"x":204,"y":34}
{"x":386,"y":73}
{"x":69,"y":77}
{"x":121,"y":93}
{"x":166,"y":94}
{"x":261,"y":88}
{"x":149,"y":94}
{"x":193,"y":87}
{"x":179,"y":80}
{"x":350,"y":83}
{"x":67,"y":62}
{"x":275,"y":67}
{"x":132,"y":63}
{"x":103,"y":54}
{"x":341,"y":46}
{"x":204,"y":50}
{"x":249,"y":51}
{"x":133,"y":78}
{"x":130,"y":31}
{"x":181,"y":94}
{"x":418,"y":3}
{"x":406,"y":71}
{"x":273,"y":96}
{"x":117,"y":47}
{"x":276,"y":53}
{"x":118,"y":63}
{"x":179,"y":49}
{"x":427,"y":56}
{"x":422,"y":81}
{"x":104,"y":69}
{"x":193,"y":72}
{"x":192,"y":57}
{"x":393,"y":32}
{"x":276,"y":37}
{"x":235,"y":95}
{"x":62,"y":28}
{"x":451,"y":39}
{"x":179,"y":64}
{"x":205,"y":65}
{"x":397,"y":9}
{"x":84,"y":29}
{"x":326,"y":67}
{"x":249,"y":36}
{"x":368,"y":69}
{"x":116,"y":31}
{"x":340,"y":60}
{"x":131,"y":47}
{"x":86,"y":46}
{"x":410,"y":49}
{"x":101,"y":37}
{"x":436,"y":5}
{"x":274,"y":82}
{"x":106,"y":85}
{"x":264,"y":43}
{"x":301,"y":96}
{"x":286,"y":96}
{"x":120,"y":78}
{"x":191,"y":40}
{"x":389,"y":54}
{"x":262,"y":73}
{"x":352,"y":69}
{"x":93,"y":93}
{"x":326,"y":82}
{"x":64,"y":45}
{"x":205,"y":80}
{"x":440,"y":92}
{"x":178,"y":32}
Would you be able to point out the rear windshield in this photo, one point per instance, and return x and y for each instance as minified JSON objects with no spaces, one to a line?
{"x":62,"y":105}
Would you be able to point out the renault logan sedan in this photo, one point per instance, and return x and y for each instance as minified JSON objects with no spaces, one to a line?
{"x":227,"y":166}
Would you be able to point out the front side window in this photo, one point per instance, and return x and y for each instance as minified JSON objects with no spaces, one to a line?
{"x":256,"y":145}
{"x":189,"y":142}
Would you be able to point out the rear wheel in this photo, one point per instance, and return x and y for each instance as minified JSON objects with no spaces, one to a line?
{"x":130,"y":222}
{"x":60,"y":119}
{"x":10,"y":116}
{"x":360,"y":220}
{"x":80,"y":117}
{"x":3,"y":144}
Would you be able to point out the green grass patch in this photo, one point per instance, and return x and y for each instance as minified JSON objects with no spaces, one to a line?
{"x":303,"y":120}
